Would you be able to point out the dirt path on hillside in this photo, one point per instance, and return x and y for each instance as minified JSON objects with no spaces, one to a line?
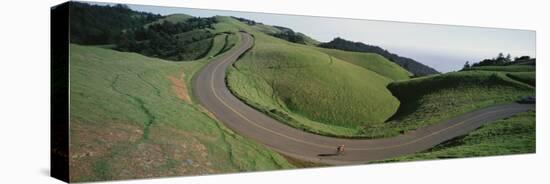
{"x":180,"y":86}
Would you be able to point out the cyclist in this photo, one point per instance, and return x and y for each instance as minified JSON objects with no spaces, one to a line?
{"x":340,"y":149}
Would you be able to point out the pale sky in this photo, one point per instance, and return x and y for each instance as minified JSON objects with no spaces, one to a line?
{"x":445,"y":48}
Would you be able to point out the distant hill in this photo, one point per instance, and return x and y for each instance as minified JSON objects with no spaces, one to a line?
{"x":418,"y":69}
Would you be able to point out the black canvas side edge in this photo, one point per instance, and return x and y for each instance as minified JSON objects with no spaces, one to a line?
{"x":59,"y":91}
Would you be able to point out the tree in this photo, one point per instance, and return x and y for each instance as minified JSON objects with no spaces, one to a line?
{"x":499,"y":60}
{"x":523,"y":58}
{"x":508,"y":58}
{"x":122,"y":6}
{"x":466,"y":65}
{"x":500,"y":56}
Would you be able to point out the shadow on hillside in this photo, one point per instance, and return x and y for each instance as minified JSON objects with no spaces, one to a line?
{"x":405,"y":109}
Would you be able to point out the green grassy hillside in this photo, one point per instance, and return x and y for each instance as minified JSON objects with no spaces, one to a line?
{"x":266,"y":29}
{"x":371,"y":61}
{"x":309,"y":89}
{"x":525,"y":77}
{"x":133,"y":117}
{"x":274,"y":30}
{"x":514,"y":135}
{"x":192,"y":45}
{"x":193,"y":35}
{"x":523,"y":71}
{"x":415,"y":67}
{"x":308,"y":40}
{"x":173,"y":18}
{"x":428,"y":100}
{"x":218,"y":43}
{"x":509,"y":68}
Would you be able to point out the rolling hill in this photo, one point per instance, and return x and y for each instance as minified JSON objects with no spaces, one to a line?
{"x":427,"y":100}
{"x":134,"y":117}
{"x":315,"y":89}
{"x":371,"y":61}
{"x":309,"y":89}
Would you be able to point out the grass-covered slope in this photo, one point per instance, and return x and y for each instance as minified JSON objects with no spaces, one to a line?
{"x":509,"y":68}
{"x":522,"y":71}
{"x":133,"y":117}
{"x":525,"y":77}
{"x":371,"y":61}
{"x":514,"y":135}
{"x":192,"y":45}
{"x":280,"y":32}
{"x":415,"y":67}
{"x":428,"y":100}
{"x":309,"y":89}
{"x":172,"y":18}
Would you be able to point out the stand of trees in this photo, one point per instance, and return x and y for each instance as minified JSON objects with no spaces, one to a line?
{"x":95,"y":24}
{"x":415,"y":67}
{"x":289,"y":35}
{"x":169,"y":40}
{"x":246,"y":21}
{"x":500,"y":60}
{"x":140,"y":32}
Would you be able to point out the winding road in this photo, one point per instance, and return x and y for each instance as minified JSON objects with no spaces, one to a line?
{"x":212,"y":92}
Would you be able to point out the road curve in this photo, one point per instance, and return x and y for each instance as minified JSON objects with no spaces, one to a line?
{"x":212,"y":92}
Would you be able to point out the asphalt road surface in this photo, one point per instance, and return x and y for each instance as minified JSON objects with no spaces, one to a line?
{"x":213,"y":94}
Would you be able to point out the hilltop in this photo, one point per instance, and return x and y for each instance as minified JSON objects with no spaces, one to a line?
{"x":371,"y":61}
{"x":173,"y":18}
{"x":280,"y":32}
